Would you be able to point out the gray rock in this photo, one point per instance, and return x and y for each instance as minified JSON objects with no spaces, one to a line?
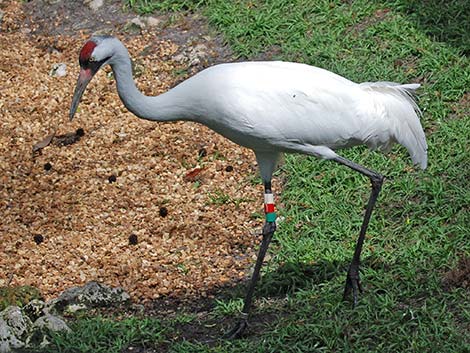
{"x":95,"y":5}
{"x":92,"y":294}
{"x":14,"y":328}
{"x":8,"y":341}
{"x":134,"y":26}
{"x":137,"y":24}
{"x":152,"y":21}
{"x":51,"y":323}
{"x":42,"y":329}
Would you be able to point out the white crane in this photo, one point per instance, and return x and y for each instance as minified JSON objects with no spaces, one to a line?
{"x":274,"y":108}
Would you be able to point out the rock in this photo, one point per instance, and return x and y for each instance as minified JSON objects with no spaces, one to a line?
{"x":134,"y":26}
{"x":18,"y":331}
{"x":92,"y":294}
{"x":42,"y":329}
{"x":152,"y":21}
{"x":35,"y":309}
{"x":58,"y":70}
{"x":94,"y":4}
{"x":137,"y":24}
{"x":14,"y":328}
{"x":51,"y":323}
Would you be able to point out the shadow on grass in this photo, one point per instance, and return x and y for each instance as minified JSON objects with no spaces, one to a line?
{"x":444,"y":21}
{"x":291,"y":276}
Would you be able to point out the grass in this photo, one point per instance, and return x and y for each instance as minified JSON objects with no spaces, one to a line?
{"x":19,"y":295}
{"x":107,"y":335}
{"x":419,"y":230}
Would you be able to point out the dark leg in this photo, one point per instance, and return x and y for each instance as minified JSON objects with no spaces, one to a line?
{"x":353,"y":283}
{"x":268,"y":230}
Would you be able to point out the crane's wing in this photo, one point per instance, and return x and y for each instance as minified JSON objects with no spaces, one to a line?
{"x":272,"y":102}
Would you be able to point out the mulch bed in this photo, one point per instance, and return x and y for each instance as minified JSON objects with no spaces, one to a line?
{"x":159,"y":209}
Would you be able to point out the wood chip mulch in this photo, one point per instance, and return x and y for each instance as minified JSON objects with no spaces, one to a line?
{"x":159,"y":209}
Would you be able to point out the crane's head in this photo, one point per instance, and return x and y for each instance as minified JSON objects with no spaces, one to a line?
{"x":96,"y":52}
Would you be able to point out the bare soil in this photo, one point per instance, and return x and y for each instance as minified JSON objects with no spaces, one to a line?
{"x":163,"y":210}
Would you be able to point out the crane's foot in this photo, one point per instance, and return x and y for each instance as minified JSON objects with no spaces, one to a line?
{"x":353,"y":285}
{"x":237,"y":330}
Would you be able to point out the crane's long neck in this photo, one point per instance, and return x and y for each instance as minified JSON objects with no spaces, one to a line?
{"x":169,"y":106}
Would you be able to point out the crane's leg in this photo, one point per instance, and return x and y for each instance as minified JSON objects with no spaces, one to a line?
{"x":353,"y":283}
{"x":268,"y":231}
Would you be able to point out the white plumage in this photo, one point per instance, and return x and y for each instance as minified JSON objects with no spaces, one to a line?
{"x":290,"y":107}
{"x":272,"y":108}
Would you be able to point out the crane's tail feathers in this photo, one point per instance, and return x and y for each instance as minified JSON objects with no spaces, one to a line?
{"x":397,"y":105}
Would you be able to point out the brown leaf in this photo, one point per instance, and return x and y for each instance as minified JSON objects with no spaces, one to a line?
{"x":193,"y":175}
{"x":44,"y":142}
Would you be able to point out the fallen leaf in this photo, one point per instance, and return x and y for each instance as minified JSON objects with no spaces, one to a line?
{"x":44,"y":142}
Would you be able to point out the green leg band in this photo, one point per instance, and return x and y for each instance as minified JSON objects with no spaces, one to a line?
{"x":271,"y":217}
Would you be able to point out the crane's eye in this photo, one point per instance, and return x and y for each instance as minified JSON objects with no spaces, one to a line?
{"x":92,"y":59}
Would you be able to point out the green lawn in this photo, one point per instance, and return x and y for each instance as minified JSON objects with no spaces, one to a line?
{"x":419,"y":231}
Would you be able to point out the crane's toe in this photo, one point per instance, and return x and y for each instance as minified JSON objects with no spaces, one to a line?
{"x":353,"y":285}
{"x":237,"y":330}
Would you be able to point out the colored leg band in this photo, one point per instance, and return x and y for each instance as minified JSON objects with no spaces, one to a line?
{"x":269,"y":207}
{"x":271,"y":217}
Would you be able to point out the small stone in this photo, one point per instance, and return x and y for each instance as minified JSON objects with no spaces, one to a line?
{"x":58,"y":70}
{"x":38,"y":239}
{"x":80,"y":132}
{"x":163,"y":212}
{"x":138,"y":22}
{"x":202,"y":152}
{"x":152,"y":21}
{"x":134,"y":26}
{"x":94,"y":4}
{"x":133,"y":239}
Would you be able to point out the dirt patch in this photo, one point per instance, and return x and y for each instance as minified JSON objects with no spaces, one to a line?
{"x":59,"y":18}
{"x":459,"y":277}
{"x":72,"y":18}
{"x":89,"y":207}
{"x":461,"y":109}
{"x":378,"y":16}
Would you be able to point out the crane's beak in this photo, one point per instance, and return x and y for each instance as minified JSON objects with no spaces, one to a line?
{"x":84,"y":77}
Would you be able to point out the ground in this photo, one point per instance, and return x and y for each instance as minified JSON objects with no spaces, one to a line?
{"x":163,"y":210}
